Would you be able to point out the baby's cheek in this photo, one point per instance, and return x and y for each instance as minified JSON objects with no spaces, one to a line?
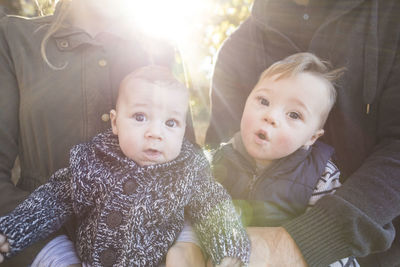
{"x":285,"y":145}
{"x":247,"y":121}
{"x":172,"y":150}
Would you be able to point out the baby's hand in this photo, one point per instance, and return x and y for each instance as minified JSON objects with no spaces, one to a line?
{"x":4,"y":247}
{"x":228,"y":262}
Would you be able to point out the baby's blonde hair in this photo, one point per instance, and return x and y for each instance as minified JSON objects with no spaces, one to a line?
{"x":306,"y":63}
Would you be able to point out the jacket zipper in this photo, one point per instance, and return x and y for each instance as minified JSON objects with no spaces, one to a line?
{"x":252,"y":184}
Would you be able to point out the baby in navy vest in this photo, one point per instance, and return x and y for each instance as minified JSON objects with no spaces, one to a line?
{"x":129,"y":187}
{"x":274,"y":168}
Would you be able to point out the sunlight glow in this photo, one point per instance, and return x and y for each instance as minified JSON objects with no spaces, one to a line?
{"x":172,"y":19}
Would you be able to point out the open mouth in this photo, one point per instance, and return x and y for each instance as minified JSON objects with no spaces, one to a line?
{"x":152,"y":152}
{"x":262,"y":136}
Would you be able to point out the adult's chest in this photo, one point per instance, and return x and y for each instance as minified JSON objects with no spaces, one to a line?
{"x":75,"y":98}
{"x":83,"y":87}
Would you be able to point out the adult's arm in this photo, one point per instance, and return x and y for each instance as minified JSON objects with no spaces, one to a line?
{"x":185,"y":254}
{"x":10,"y":196}
{"x":186,"y":251}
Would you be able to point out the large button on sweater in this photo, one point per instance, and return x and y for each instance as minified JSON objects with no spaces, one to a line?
{"x":130,"y":187}
{"x":114,"y":219}
{"x":108,"y":257}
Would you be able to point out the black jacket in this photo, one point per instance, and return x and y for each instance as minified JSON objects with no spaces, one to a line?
{"x":363,"y":127}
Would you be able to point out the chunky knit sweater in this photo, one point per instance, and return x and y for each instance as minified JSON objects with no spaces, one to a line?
{"x":129,"y":215}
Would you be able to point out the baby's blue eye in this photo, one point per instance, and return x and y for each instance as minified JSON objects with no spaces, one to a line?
{"x":294,"y":115}
{"x":171,"y":123}
{"x":139,"y":117}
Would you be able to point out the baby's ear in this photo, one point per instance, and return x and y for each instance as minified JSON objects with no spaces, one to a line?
{"x":314,"y":138}
{"x":113,"y":119}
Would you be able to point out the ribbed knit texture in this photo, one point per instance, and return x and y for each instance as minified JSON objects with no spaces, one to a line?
{"x":318,"y":234}
{"x":119,"y":226}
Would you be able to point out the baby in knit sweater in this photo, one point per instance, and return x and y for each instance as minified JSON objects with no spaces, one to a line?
{"x":129,"y":187}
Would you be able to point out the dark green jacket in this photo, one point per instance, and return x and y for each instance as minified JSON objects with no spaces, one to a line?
{"x":364,"y":37}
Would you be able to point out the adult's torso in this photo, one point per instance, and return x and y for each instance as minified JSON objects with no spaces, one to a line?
{"x":61,"y":108}
{"x":346,"y":39}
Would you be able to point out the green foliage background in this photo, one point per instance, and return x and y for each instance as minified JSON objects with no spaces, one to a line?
{"x":29,"y":8}
{"x":206,"y":40}
{"x":227,"y":15}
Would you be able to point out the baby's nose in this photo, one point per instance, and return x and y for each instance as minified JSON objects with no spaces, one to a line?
{"x":271,"y":118}
{"x":154,"y":131}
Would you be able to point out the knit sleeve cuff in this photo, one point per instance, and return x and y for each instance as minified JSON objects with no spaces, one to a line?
{"x":223,"y":235}
{"x":5,"y":229}
{"x":320,"y":237}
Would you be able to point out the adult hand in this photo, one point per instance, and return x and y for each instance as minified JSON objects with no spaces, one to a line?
{"x":4,"y":247}
{"x":230,"y":262}
{"x":273,"y":246}
{"x":185,"y":254}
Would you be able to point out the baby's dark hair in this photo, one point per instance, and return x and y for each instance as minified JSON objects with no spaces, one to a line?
{"x":155,"y":74}
{"x":306,"y":63}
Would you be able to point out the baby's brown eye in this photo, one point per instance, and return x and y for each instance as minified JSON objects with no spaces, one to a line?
{"x":139,"y":117}
{"x":294,"y":115}
{"x":264,"y":102}
{"x":171,"y":123}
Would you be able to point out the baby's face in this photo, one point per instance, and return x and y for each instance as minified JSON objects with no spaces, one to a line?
{"x":280,"y":116}
{"x":150,"y":121}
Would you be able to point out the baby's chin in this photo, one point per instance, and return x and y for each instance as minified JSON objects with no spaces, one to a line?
{"x":153,"y":156}
{"x":148,"y":162}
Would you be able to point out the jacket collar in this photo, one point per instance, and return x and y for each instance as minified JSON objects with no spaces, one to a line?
{"x":278,"y":166}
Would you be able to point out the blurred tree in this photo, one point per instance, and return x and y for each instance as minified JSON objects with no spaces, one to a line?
{"x":29,"y":8}
{"x":9,"y":6}
{"x":226,"y":16}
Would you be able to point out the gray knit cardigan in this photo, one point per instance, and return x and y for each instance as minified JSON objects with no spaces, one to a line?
{"x":129,"y":215}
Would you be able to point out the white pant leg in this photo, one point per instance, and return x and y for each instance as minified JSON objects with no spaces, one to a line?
{"x":59,"y":252}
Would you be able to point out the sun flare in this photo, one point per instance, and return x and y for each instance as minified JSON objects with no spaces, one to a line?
{"x":173,"y":19}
